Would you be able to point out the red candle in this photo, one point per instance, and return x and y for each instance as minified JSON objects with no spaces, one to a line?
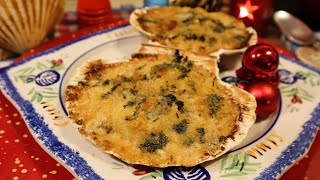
{"x":255,"y":13}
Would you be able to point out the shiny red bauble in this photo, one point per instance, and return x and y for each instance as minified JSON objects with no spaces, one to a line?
{"x":267,"y":97}
{"x":260,"y":63}
{"x":261,"y":58}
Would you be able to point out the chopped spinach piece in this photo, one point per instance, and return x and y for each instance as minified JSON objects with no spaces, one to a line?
{"x":133,"y":92}
{"x":215,"y":103}
{"x":115,"y":87}
{"x":180,"y":105}
{"x":145,"y":77}
{"x":170,"y":99}
{"x":136,"y":111}
{"x":181,"y":127}
{"x":178,"y":57}
{"x":220,"y":28}
{"x":154,"y":142}
{"x":195,"y":37}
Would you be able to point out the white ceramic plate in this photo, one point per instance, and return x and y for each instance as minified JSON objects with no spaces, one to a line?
{"x":36,"y":87}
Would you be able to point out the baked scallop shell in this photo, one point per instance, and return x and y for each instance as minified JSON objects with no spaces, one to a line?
{"x":102,"y":97}
{"x":25,"y":24}
{"x":250,"y":40}
{"x":4,"y":54}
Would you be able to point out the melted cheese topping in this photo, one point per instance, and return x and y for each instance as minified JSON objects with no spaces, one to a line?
{"x":194,"y":29}
{"x":158,"y":110}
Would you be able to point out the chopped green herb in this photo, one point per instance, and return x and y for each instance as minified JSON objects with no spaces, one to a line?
{"x":220,"y":28}
{"x":178,"y":57}
{"x":201,"y":133}
{"x":215,"y":103}
{"x":126,"y":79}
{"x":194,"y":37}
{"x":136,"y":111}
{"x":181,"y":127}
{"x":106,"y":82}
{"x":145,"y":77}
{"x":188,"y":142}
{"x":170,"y":99}
{"x":154,"y":142}
{"x":180,"y":105}
{"x":108,"y":129}
{"x":115,"y":87}
{"x":239,"y":38}
{"x":133,"y":92}
{"x":130,"y":104}
{"x":106,"y":95}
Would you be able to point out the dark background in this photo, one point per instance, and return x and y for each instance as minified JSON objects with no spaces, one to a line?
{"x":307,"y":10}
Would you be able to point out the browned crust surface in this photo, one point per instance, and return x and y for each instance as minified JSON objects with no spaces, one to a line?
{"x":192,"y":29}
{"x":167,"y":109}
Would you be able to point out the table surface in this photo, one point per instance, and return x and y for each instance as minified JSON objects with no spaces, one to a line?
{"x":22,"y":158}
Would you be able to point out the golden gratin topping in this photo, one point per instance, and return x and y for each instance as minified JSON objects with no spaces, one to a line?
{"x":193,"y":29}
{"x":158,"y":110}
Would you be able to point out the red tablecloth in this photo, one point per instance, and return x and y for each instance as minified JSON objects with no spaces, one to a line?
{"x":22,"y":158}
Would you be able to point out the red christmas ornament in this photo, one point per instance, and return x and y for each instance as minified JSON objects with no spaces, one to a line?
{"x":260,"y":63}
{"x":267,"y":97}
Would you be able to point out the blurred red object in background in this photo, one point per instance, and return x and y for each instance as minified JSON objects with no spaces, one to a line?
{"x":254,"y":13}
{"x":93,"y":12}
